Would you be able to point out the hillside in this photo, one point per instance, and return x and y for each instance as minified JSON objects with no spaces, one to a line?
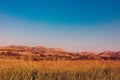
{"x":42,"y":53}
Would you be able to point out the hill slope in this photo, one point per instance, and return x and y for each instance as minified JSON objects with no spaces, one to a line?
{"x":43,"y":53}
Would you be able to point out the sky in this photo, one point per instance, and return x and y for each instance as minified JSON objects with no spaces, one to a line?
{"x":73,"y":25}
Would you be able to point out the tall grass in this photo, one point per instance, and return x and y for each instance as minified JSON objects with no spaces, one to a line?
{"x":60,"y":70}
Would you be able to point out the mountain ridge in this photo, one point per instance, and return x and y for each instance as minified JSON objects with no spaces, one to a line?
{"x":58,"y":53}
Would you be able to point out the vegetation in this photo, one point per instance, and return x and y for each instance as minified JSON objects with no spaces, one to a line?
{"x":54,"y":64}
{"x":59,"y":56}
{"x":59,"y":70}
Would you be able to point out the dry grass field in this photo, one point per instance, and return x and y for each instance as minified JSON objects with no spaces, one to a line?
{"x":59,"y":70}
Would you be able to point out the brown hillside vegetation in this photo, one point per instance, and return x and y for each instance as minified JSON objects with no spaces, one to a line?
{"x":41,"y":63}
{"x":42,"y":53}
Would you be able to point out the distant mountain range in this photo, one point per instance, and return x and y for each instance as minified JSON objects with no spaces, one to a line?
{"x":42,"y":53}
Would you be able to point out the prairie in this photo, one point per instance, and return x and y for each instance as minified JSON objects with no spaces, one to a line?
{"x":60,"y":70}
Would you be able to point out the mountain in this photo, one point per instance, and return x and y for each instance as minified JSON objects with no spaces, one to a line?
{"x":26,"y":48}
{"x":110,"y":54}
{"x":42,"y":53}
{"x":15,"y":48}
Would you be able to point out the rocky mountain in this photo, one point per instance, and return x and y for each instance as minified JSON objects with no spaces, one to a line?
{"x":110,"y":54}
{"x":26,"y":48}
{"x":14,"y":48}
{"x":40,"y":53}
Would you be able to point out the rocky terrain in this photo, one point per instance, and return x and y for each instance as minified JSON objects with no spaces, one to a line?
{"x":42,"y":53}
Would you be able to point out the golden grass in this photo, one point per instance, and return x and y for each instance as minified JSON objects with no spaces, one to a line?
{"x":59,"y":70}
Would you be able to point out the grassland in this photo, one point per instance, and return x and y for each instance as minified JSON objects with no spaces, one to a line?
{"x":59,"y":70}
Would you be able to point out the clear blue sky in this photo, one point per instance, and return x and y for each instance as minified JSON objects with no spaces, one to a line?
{"x":74,"y":25}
